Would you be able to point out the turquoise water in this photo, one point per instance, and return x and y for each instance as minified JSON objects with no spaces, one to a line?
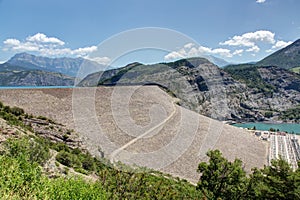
{"x":33,"y":87}
{"x":290,"y":128}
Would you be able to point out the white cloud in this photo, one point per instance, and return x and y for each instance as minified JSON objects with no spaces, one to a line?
{"x":253,"y":49}
{"x":192,"y":50}
{"x":16,"y":45}
{"x":189,"y":45}
{"x":46,"y":46}
{"x":11,"y":42}
{"x":222,"y":52}
{"x":281,"y":44}
{"x":85,"y":50}
{"x":173,"y":55}
{"x":260,"y":1}
{"x":238,"y":52}
{"x":251,"y":39}
{"x":100,"y":60}
{"x":42,"y":38}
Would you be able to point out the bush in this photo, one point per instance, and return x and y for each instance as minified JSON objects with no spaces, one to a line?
{"x":68,"y":159}
{"x":21,"y":179}
{"x":17,"y":111}
{"x":29,"y":148}
{"x":268,"y":114}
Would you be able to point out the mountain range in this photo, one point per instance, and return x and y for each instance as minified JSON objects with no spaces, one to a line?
{"x":68,"y":66}
{"x":19,"y":77}
{"x":235,"y":92}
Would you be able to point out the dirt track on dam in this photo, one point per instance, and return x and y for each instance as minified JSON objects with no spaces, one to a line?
{"x":140,"y":125}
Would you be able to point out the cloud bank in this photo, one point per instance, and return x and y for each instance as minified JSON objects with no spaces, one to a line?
{"x":250,"y":42}
{"x":193,"y":50}
{"x":49,"y":46}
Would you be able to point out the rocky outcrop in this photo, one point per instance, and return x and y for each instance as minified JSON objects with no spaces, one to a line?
{"x":55,"y":132}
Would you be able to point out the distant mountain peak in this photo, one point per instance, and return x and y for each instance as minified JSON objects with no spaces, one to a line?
{"x":287,"y":58}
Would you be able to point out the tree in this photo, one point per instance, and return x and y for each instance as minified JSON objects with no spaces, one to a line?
{"x":221,"y":178}
{"x":268,"y":114}
{"x":277,"y":181}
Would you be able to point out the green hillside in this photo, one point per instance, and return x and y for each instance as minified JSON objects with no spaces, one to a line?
{"x":287,"y":58}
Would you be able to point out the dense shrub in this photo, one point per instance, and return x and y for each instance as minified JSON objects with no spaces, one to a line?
{"x":21,"y":179}
{"x":29,"y":148}
{"x":68,"y":159}
{"x":222,"y":179}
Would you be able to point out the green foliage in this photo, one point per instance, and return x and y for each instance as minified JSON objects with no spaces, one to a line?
{"x":296,"y":70}
{"x":68,"y":159}
{"x":28,"y":148}
{"x":25,"y":153}
{"x":221,"y":178}
{"x":75,"y":158}
{"x":272,"y":129}
{"x":13,"y":116}
{"x":132,"y":185}
{"x":21,"y":179}
{"x":16,"y":111}
{"x":291,"y":114}
{"x":277,"y":181}
{"x":75,"y":188}
{"x":268,"y":114}
{"x":250,"y":75}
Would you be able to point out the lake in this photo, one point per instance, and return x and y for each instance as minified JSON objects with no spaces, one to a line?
{"x":34,"y":87}
{"x":289,"y":127}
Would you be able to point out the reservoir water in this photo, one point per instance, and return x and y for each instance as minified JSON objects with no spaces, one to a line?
{"x":34,"y":87}
{"x":288,"y":127}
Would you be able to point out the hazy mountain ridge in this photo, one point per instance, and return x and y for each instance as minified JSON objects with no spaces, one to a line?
{"x":64,"y":65}
{"x":34,"y":78}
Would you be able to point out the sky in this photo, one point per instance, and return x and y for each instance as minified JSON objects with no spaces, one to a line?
{"x":236,"y":30}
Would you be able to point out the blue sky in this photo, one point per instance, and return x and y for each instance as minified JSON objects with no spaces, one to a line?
{"x":235,"y":30}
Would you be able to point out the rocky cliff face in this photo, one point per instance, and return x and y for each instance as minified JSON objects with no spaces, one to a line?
{"x":273,"y":90}
{"x":209,"y":90}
